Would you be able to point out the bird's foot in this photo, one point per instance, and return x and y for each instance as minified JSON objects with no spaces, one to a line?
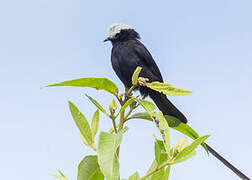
{"x":128,"y":95}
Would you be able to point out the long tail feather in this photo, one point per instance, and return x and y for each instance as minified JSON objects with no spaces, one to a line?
{"x":166,"y":106}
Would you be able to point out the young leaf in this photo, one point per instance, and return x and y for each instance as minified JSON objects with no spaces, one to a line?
{"x":61,"y":176}
{"x":167,"y":173}
{"x":182,"y":159}
{"x":167,"y":89}
{"x":129,"y":102}
{"x":125,"y":129}
{"x":95,"y":124}
{"x":160,"y":152}
{"x":97,"y":105}
{"x":189,"y":149}
{"x":107,"y":158}
{"x":89,"y":169}
{"x":81,"y":123}
{"x":183,"y":128}
{"x":183,"y":144}
{"x":112,"y":106}
{"x":83,"y":139}
{"x":135,"y":75}
{"x":153,"y":166}
{"x":141,"y":115}
{"x":164,"y":130}
{"x":135,"y":176}
{"x":173,"y":123}
{"x":147,"y":105}
{"x":97,"y":83}
{"x":158,"y":175}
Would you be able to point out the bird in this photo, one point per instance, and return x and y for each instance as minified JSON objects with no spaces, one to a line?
{"x":128,"y":52}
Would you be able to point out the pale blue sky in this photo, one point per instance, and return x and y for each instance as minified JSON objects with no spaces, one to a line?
{"x":204,"y":46}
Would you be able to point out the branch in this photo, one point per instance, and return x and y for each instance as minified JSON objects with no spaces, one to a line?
{"x":155,"y":170}
{"x":114,"y":123}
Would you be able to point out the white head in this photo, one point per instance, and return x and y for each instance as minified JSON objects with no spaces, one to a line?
{"x":116,"y":28}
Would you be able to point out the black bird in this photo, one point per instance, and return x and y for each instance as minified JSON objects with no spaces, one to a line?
{"x":128,"y":53}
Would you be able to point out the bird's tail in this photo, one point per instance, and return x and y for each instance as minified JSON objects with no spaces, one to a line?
{"x":226,"y":163}
{"x":166,"y":106}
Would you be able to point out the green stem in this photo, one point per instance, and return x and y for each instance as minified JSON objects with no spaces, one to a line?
{"x":130,"y":111}
{"x":121,"y":121}
{"x":122,"y":118}
{"x":119,"y":99}
{"x":114,"y":123}
{"x":93,"y":147}
{"x":157,"y":169}
{"x":129,"y":92}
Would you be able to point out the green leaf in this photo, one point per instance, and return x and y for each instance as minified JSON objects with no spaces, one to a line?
{"x":112,"y":106}
{"x":89,"y":169}
{"x":153,"y":166}
{"x":95,"y":124}
{"x":135,"y":75}
{"x":125,"y":129}
{"x":129,"y":102}
{"x":160,"y":152}
{"x":97,"y":83}
{"x":167,"y":89}
{"x":81,"y":123}
{"x":184,"y":158}
{"x":107,"y":158}
{"x":163,"y":126}
{"x":147,"y":105}
{"x":61,"y":173}
{"x":164,"y":130}
{"x":183,"y":128}
{"x":97,"y":105}
{"x":61,"y":176}
{"x":167,"y":173}
{"x":173,"y":123}
{"x":189,"y":149}
{"x":83,"y":139}
{"x":158,"y":175}
{"x":141,"y":115}
{"x":135,"y":176}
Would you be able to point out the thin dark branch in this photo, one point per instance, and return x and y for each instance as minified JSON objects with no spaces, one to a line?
{"x":226,"y":163}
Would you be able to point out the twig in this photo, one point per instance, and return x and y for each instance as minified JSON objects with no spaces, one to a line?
{"x":114,"y":123}
{"x":155,"y":170}
{"x":228,"y":164}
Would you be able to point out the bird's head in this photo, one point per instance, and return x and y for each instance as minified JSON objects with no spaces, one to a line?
{"x":121,"y":32}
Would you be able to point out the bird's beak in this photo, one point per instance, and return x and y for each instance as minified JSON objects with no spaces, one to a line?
{"x":107,"y":39}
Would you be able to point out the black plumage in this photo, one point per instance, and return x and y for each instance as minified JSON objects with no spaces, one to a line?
{"x":128,"y":53}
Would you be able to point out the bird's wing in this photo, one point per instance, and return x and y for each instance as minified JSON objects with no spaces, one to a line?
{"x":147,"y":62}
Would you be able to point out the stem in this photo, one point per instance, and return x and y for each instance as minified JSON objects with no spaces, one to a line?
{"x":122,"y":118}
{"x":129,"y":92}
{"x":119,"y":99}
{"x":127,"y":115}
{"x":157,"y":169}
{"x":126,"y":118}
{"x":114,"y":123}
{"x":119,"y":128}
{"x":93,"y":147}
{"x":121,"y":121}
{"x":131,"y":89}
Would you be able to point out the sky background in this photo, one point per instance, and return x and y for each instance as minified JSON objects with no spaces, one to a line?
{"x":203,"y":46}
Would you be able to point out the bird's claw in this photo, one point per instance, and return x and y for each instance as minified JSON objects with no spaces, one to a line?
{"x":128,"y":95}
